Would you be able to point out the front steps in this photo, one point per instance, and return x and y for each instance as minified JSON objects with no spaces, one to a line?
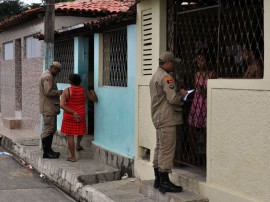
{"x":154,"y":194}
{"x":189,"y":177}
{"x":90,"y":179}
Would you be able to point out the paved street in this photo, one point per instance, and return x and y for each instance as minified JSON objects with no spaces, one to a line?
{"x":17,"y":183}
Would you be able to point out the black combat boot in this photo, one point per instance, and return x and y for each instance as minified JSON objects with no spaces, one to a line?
{"x":50,"y":140}
{"x":47,"y":153}
{"x":157,"y":178}
{"x":166,"y":185}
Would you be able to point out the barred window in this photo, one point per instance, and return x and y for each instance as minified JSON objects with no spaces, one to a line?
{"x":115,"y":58}
{"x":231,"y":31}
{"x":214,"y":38}
{"x":64,"y":53}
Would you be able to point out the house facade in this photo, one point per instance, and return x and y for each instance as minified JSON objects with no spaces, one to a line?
{"x":22,"y":64}
{"x":236,"y":161}
{"x":112,"y":74}
{"x":99,"y":45}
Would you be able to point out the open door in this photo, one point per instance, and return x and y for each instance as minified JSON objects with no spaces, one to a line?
{"x":91,"y":85}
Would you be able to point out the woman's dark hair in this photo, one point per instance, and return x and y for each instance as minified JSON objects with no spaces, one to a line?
{"x":204,"y":52}
{"x":75,"y":79}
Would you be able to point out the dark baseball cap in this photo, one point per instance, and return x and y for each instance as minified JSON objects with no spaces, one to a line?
{"x":168,"y":56}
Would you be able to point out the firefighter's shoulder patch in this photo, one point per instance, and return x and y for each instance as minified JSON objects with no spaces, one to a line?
{"x":168,"y":79}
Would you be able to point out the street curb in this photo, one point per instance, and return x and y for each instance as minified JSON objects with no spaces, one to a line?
{"x":63,"y":176}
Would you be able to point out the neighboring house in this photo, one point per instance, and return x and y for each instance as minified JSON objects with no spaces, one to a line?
{"x":22,"y":55}
{"x":112,"y":74}
{"x":21,"y":63}
{"x":101,"y":48}
{"x":237,"y":160}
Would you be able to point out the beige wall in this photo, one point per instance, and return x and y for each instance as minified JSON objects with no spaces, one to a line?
{"x":238,"y":139}
{"x":238,"y":125}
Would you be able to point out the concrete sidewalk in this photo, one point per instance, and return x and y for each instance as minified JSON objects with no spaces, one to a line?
{"x":76,"y":178}
{"x":88,"y":179}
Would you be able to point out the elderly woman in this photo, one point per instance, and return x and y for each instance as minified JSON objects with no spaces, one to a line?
{"x":73,"y":102}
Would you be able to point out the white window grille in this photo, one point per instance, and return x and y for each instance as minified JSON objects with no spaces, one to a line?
{"x":115,"y":58}
{"x":33,"y":47}
{"x":147,"y":42}
{"x":8,"y":51}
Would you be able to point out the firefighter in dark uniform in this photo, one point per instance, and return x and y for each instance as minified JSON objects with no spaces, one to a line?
{"x":49,"y":105}
{"x":166,"y":110}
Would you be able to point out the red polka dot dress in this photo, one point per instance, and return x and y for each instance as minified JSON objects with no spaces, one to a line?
{"x":76,"y":102}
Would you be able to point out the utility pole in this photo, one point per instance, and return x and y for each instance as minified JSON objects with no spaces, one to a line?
{"x":49,"y":27}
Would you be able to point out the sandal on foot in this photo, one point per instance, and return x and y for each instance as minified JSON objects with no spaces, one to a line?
{"x":79,"y":148}
{"x":71,"y":160}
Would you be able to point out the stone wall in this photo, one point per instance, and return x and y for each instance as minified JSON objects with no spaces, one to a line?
{"x":19,"y":77}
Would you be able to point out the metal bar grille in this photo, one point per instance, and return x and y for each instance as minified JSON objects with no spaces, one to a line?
{"x":214,"y":38}
{"x":115,"y":58}
{"x":64,"y":53}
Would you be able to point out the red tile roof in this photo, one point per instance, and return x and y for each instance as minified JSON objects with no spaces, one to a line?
{"x":110,"y":6}
{"x":96,"y":7}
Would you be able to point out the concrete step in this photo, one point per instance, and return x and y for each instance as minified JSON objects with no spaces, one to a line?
{"x":154,"y":194}
{"x":59,"y":141}
{"x":190,"y":178}
{"x":126,"y":190}
{"x":71,"y":176}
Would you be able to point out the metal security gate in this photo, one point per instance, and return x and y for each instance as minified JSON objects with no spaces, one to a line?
{"x":64,"y":53}
{"x":214,"y":39}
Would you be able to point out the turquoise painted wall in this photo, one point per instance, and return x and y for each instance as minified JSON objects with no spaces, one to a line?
{"x":81,"y":63}
{"x":115,"y":110}
{"x":61,"y":86}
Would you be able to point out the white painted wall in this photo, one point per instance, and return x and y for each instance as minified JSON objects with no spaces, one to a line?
{"x":66,"y":21}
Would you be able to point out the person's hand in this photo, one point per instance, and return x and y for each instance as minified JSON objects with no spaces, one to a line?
{"x":183,"y":92}
{"x":76,"y":116}
{"x":92,"y":92}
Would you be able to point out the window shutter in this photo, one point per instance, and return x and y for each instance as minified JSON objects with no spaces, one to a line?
{"x":147,"y":42}
{"x":33,"y":48}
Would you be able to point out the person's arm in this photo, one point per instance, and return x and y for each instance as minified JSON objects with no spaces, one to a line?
{"x":48,"y":91}
{"x":91,"y":95}
{"x":169,"y":88}
{"x":64,"y":107}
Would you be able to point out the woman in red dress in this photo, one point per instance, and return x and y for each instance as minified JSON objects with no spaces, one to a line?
{"x":73,"y":102}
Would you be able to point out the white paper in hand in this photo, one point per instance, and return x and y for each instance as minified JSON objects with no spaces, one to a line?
{"x":188,"y":92}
